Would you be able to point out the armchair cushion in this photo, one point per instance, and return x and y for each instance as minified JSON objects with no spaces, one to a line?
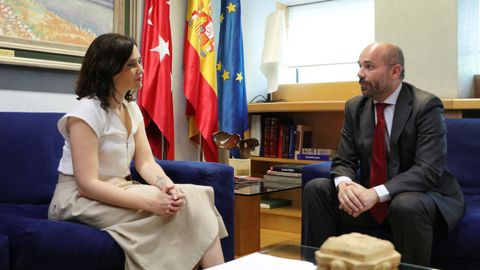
{"x":36,"y":242}
{"x":464,"y":240}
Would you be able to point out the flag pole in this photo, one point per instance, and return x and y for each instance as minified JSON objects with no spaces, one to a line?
{"x":200,"y":146}
{"x":164,"y":152}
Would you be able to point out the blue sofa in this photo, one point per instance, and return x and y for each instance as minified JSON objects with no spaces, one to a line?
{"x":30,"y":148}
{"x":461,"y":248}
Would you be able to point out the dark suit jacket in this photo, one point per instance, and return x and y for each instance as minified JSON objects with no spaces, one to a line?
{"x":417,"y":157}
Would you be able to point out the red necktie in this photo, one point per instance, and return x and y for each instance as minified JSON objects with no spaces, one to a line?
{"x":378,"y":166}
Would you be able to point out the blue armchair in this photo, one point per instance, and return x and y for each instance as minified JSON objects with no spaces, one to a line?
{"x":460,"y":248}
{"x":30,"y":148}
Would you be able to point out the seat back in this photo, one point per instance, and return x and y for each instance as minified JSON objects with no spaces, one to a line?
{"x":30,"y":149}
{"x":463,"y":152}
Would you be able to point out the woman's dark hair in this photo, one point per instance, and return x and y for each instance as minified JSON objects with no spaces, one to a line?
{"x":105,"y":58}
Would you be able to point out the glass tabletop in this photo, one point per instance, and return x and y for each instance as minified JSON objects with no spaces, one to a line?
{"x":306,"y":253}
{"x":250,"y":188}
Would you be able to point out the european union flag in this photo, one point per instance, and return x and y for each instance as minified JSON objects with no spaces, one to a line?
{"x":232,"y":98}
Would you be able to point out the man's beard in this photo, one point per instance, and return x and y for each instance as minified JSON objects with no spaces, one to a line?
{"x":366,"y":87}
{"x":373,"y":89}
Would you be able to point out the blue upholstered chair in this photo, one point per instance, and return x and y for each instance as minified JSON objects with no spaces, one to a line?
{"x":461,"y":248}
{"x":30,"y":148}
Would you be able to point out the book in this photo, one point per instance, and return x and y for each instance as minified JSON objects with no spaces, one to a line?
{"x":319,"y":151}
{"x":304,"y":138}
{"x":293,"y":137}
{"x":247,"y":179}
{"x":281,"y":141}
{"x":282,"y":179}
{"x":266,"y":130}
{"x":314,"y":157}
{"x":293,"y":174}
{"x":269,"y":203}
{"x":274,"y":122}
{"x":287,"y":168}
{"x":256,"y":132}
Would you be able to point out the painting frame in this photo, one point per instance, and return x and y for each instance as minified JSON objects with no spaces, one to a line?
{"x":44,"y":54}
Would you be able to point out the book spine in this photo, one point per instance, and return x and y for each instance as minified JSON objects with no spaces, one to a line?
{"x":286,"y":141}
{"x":319,"y":151}
{"x":274,"y":203}
{"x":273,"y":137}
{"x":293,"y":137}
{"x":281,"y":135}
{"x":282,"y":179}
{"x":291,"y":174}
{"x":267,"y":126}
{"x":256,"y":132}
{"x":313,"y":157}
{"x":286,"y":169}
{"x":262,"y":136}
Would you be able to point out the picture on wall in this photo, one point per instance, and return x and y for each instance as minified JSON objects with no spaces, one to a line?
{"x":74,"y":22}
{"x":57,"y":26}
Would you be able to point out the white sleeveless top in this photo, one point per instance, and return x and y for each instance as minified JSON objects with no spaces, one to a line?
{"x":115,"y":147}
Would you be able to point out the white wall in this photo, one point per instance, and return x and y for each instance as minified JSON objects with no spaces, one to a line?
{"x":27,"y":101}
{"x":468,"y":24}
{"x":184,"y":148}
{"x":254,"y":13}
{"x":428,"y":32}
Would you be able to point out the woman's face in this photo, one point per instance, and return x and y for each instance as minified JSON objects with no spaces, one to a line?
{"x":130,"y":77}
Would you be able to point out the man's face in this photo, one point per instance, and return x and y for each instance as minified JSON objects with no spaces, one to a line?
{"x":374,"y":74}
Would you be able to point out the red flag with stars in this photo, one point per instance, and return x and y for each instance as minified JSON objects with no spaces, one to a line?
{"x":155,"y":97}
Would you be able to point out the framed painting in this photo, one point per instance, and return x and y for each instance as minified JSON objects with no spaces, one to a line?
{"x":56,"y":33}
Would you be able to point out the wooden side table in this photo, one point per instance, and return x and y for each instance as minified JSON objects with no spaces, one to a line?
{"x":247,"y":224}
{"x":247,"y":213}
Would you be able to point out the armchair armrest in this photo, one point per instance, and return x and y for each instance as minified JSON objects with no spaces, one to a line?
{"x":217,"y":175}
{"x":317,"y":170}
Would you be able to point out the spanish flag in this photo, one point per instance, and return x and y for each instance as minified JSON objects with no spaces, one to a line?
{"x":200,"y":85}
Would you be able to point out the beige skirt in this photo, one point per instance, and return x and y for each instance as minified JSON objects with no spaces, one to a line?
{"x":149,"y":241}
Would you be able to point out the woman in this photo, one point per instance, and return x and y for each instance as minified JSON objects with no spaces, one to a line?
{"x":159,"y":226}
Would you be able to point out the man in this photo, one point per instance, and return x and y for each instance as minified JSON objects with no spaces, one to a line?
{"x":400,"y":147}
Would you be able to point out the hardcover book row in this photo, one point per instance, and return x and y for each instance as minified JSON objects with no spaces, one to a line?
{"x":279,"y":137}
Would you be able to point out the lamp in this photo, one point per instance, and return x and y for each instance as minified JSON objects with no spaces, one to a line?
{"x":273,"y":49}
